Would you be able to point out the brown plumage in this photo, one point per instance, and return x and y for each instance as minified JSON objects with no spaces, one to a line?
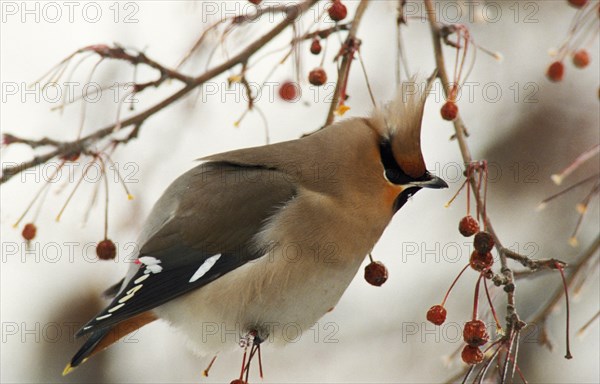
{"x":257,"y":238}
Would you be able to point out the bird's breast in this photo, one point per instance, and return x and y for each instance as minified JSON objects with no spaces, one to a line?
{"x":311,"y":254}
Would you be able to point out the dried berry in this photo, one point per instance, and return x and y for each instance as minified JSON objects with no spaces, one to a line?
{"x":481,"y":261}
{"x":449,"y":111}
{"x":29,"y":231}
{"x":468,"y":226}
{"x":315,"y":47}
{"x":578,"y":3}
{"x":483,"y":242}
{"x":289,"y":91}
{"x":555,"y":71}
{"x":436,"y":315}
{"x":471,"y":355}
{"x":255,"y":2}
{"x":106,"y":250}
{"x":238,"y":381}
{"x":317,"y":76}
{"x":475,"y":333}
{"x":581,"y":58}
{"x":376,"y":273}
{"x":337,"y":11}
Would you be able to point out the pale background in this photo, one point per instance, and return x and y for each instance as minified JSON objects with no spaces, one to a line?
{"x":380,"y":332}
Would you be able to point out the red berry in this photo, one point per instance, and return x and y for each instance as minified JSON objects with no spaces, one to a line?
{"x":555,"y":71}
{"x":578,"y":3}
{"x":475,"y":333}
{"x":468,"y":226}
{"x":317,"y":76}
{"x":471,"y":355}
{"x":449,"y":111}
{"x":483,"y":242}
{"x":315,"y":47}
{"x":238,"y":381}
{"x":289,"y":91}
{"x":255,"y":2}
{"x":337,"y":11}
{"x":29,"y":231}
{"x":376,"y":273}
{"x":581,"y":58}
{"x":481,"y":261}
{"x":106,"y":250}
{"x":436,"y":315}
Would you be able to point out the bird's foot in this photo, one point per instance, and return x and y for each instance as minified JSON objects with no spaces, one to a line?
{"x":250,"y":340}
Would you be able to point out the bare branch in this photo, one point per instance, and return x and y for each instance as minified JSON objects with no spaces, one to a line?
{"x":81,"y":145}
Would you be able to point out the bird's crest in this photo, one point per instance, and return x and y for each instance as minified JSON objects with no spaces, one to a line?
{"x":399,"y":121}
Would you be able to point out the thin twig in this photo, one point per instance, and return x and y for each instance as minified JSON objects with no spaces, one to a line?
{"x":572,"y":273}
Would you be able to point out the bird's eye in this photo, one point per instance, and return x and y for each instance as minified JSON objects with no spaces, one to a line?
{"x":392,"y":171}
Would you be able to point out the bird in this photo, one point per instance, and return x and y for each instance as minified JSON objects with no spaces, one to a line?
{"x":251,"y":240}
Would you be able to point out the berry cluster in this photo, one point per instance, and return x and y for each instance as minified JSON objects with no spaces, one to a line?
{"x":449,"y":110}
{"x":582,"y":33}
{"x":289,"y":91}
{"x":475,"y":333}
{"x":106,"y":249}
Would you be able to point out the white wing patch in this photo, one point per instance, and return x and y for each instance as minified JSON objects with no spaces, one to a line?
{"x":151,"y":264}
{"x":205,"y":267}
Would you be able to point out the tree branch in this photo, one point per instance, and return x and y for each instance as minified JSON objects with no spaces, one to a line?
{"x":81,"y":145}
{"x":460,"y":129}
{"x":351,"y":41}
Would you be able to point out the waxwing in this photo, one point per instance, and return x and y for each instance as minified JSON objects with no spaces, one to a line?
{"x":254,"y":239}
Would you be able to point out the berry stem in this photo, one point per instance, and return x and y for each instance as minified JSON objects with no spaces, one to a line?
{"x":252,"y":352}
{"x":577,"y":184}
{"x":476,"y":298}
{"x":562,"y":275}
{"x":485,"y":190}
{"x":260,"y":368}
{"x":585,"y":156}
{"x":84,"y":173}
{"x":454,"y":283}
{"x":582,"y":208}
{"x":105,"y":179}
{"x":479,"y":182}
{"x":243,"y":363}
{"x":489,"y":298}
{"x":481,"y":374}
{"x":468,"y":189}
{"x":212,"y":361}
{"x":466,"y":38}
{"x":364,"y":71}
{"x":456,"y":194}
{"x":121,"y":180}
{"x":38,"y":194}
{"x":370,"y":257}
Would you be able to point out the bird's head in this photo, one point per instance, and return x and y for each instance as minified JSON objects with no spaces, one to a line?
{"x":398,"y":128}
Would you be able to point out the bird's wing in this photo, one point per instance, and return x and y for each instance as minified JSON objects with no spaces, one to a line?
{"x":202,"y":228}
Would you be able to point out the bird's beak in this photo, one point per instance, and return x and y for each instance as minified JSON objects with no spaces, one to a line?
{"x":430,"y":181}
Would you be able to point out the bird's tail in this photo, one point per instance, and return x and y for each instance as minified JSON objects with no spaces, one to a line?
{"x":102,"y":338}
